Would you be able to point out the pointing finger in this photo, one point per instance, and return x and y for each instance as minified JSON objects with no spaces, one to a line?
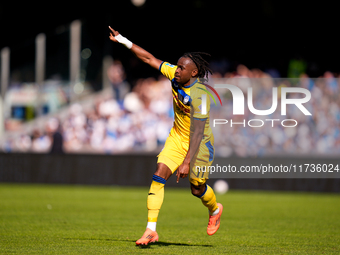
{"x":114,"y":32}
{"x":111,"y":29}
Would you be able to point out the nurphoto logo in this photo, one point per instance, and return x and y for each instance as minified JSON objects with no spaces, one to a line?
{"x":301,"y":97}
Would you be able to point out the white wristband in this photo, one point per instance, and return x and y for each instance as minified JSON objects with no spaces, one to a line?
{"x":121,"y":39}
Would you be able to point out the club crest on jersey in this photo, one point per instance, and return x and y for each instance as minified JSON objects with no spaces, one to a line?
{"x":186,"y":99}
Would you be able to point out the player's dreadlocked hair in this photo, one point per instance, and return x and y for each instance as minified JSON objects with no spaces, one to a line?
{"x":200,"y":62}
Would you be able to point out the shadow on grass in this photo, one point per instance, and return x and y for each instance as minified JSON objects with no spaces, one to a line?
{"x":141,"y":246}
{"x":173,"y":244}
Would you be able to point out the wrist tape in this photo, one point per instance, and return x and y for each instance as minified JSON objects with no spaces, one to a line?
{"x":121,"y":39}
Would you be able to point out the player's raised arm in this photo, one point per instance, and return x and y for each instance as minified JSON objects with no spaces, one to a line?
{"x":140,"y":53}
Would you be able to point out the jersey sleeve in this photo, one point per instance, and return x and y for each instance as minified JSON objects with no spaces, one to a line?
{"x":167,"y":70}
{"x":197,"y":103}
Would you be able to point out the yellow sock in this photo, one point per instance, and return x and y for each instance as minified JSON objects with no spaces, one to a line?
{"x":208,"y":198}
{"x":155,"y":198}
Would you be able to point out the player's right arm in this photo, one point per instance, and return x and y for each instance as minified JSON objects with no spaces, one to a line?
{"x":140,"y":53}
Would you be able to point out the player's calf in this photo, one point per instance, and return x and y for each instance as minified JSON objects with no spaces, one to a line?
{"x":208,"y":198}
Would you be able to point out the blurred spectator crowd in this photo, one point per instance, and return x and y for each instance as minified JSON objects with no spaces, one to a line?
{"x":115,"y":120}
{"x":121,"y":119}
{"x":318,"y":134}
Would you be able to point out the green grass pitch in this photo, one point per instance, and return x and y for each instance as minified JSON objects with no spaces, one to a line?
{"x":62,"y":219}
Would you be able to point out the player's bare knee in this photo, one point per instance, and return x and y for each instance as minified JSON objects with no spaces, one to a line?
{"x":197,"y":191}
{"x":163,"y":171}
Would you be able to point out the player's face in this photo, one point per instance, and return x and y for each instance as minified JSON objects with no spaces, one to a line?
{"x":186,"y":69}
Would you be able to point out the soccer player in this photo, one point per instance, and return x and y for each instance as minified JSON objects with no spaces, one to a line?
{"x":190,"y":142}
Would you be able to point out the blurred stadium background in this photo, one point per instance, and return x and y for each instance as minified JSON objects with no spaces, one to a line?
{"x":76,"y":108}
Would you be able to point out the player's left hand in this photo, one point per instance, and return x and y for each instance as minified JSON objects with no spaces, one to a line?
{"x":183,"y":171}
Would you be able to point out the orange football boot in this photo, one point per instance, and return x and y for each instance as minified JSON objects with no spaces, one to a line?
{"x":214,"y":221}
{"x":149,"y":236}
